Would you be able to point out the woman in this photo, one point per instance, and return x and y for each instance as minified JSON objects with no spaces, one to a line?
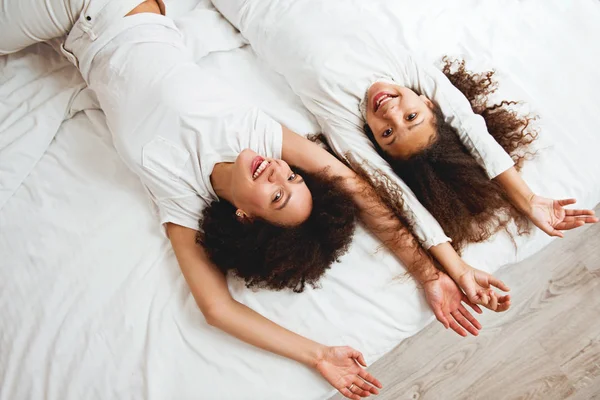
{"x":191,"y":145}
{"x":343,"y":59}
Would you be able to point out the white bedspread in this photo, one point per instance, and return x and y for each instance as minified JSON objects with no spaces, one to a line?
{"x":92,"y":301}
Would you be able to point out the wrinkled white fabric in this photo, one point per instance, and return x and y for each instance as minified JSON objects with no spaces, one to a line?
{"x":26,"y":22}
{"x":93,"y":303}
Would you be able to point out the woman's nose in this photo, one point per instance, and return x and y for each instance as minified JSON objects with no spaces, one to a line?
{"x":273,"y":173}
{"x":393,"y":113}
{"x":390,"y":111}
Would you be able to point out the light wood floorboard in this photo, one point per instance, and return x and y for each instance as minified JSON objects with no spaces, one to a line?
{"x":546,"y":347}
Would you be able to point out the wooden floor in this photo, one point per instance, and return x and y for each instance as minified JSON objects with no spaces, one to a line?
{"x":547,"y":346}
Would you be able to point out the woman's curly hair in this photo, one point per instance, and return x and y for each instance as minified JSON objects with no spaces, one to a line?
{"x":449,"y":182}
{"x":279,"y":257}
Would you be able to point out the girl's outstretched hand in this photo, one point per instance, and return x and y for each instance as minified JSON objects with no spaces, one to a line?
{"x":551,"y":217}
{"x":344,"y":368}
{"x":478,"y":286}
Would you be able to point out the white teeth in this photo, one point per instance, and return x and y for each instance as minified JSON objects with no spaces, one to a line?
{"x":263,"y":165}
{"x":383,"y":99}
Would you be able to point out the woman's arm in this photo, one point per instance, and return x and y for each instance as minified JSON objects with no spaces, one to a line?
{"x":209,"y":287}
{"x":443,"y":297}
{"x":547,"y":214}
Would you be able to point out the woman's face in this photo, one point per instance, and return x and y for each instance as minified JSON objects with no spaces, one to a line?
{"x":270,"y":190}
{"x":402,"y":121}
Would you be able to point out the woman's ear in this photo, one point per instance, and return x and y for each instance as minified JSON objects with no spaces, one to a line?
{"x":241,"y":215}
{"x":426,"y":100}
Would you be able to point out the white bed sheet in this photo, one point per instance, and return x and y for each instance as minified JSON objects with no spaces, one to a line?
{"x":92,"y":301}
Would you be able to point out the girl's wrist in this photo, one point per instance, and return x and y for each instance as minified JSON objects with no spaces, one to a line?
{"x":447,"y":257}
{"x":313,"y":355}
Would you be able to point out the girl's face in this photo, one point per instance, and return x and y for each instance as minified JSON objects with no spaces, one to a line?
{"x":268,"y":189}
{"x":402,"y":121}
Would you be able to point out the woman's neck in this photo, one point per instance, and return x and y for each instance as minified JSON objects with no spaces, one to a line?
{"x":220,"y":179}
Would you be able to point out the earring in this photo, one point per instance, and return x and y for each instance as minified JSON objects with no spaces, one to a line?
{"x":239,"y":213}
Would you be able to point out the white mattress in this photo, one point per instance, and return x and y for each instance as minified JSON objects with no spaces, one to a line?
{"x":93,"y":303}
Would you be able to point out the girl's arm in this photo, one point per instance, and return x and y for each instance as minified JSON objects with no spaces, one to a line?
{"x":338,"y":365}
{"x":299,"y":151}
{"x":547,"y":214}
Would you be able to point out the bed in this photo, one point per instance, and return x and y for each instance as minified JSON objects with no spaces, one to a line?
{"x":93,"y":304}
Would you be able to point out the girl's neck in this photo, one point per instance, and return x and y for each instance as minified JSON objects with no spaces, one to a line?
{"x":220,"y":180}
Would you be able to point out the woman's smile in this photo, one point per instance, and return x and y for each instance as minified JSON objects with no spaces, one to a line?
{"x":380,"y":99}
{"x":259,"y":165}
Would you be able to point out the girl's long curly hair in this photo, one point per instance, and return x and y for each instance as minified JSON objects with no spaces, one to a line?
{"x":448,"y":181}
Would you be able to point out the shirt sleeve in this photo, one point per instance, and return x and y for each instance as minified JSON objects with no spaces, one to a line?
{"x":457,"y":111}
{"x":345,"y":139}
{"x":185,"y":211}
{"x":171,"y":183}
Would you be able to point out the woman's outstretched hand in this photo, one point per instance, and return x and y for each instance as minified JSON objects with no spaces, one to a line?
{"x":551,"y":217}
{"x":478,"y":286}
{"x":446,"y":300}
{"x":340,"y":367}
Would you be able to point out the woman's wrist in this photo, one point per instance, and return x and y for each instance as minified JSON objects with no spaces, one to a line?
{"x":452,"y":263}
{"x":313,"y":354}
{"x":522,"y":201}
{"x":517,"y":190}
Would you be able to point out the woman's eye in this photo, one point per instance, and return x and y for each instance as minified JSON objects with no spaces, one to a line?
{"x":277,"y":197}
{"x":292,"y":177}
{"x":387,"y":132}
{"x":411,"y":116}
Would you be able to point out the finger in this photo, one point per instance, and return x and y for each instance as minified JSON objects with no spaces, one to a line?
{"x":369,"y":378}
{"x":566,"y":202}
{"x":354,"y":388}
{"x":462,"y":321}
{"x":474,"y":306}
{"x":584,"y":218}
{"x":503,"y":306}
{"x":499,"y":284}
{"x":566,"y":226}
{"x":366,"y":387}
{"x":456,"y":328}
{"x":493,"y":300}
{"x":484,"y":299}
{"x":503,"y":303}
{"x":553,"y":232}
{"x":588,"y":219}
{"x":441,"y":317}
{"x":503,"y":299}
{"x":357,"y":355}
{"x":469,"y":317}
{"x":480,"y":298}
{"x":571,"y":212}
{"x":348,"y":394}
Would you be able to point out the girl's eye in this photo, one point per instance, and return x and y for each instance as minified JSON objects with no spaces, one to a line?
{"x":292,"y":177}
{"x":387,"y":132}
{"x":277,"y":197}
{"x":411,"y":116}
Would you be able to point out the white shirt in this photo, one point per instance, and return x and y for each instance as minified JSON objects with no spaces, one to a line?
{"x":331,"y":52}
{"x":170,"y":122}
